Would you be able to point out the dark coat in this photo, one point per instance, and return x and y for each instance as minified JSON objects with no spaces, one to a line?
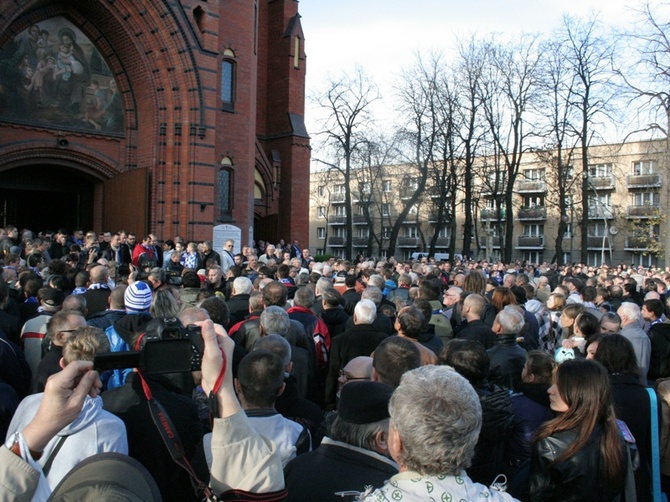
{"x":49,"y":365}
{"x":507,"y":361}
{"x":336,"y":320}
{"x":333,"y":468}
{"x":497,"y":423}
{"x":479,"y":332}
{"x":290,"y":405}
{"x":239,"y":308}
{"x":659,"y":361}
{"x":14,"y":369}
{"x":361,"y":340}
{"x":105,"y":319}
{"x":381,"y":323}
{"x":430,"y":340}
{"x":351,"y":298}
{"x":531,"y":409}
{"x":144,"y":441}
{"x":631,"y":404}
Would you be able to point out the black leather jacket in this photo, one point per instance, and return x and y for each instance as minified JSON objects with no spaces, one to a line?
{"x":578,"y":478}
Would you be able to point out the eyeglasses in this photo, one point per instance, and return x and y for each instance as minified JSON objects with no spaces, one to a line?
{"x":67,"y":331}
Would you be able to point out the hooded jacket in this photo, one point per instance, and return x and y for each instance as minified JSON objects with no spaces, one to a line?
{"x":93,"y":431}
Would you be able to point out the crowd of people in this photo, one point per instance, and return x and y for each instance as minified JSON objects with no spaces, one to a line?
{"x":370,"y":379}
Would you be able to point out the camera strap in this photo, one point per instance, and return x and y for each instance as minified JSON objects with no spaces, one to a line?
{"x":171,"y":438}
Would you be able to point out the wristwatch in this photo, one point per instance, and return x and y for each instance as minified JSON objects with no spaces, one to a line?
{"x":13,"y":444}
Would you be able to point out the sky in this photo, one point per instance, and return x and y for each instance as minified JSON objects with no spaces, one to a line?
{"x":383,"y":36}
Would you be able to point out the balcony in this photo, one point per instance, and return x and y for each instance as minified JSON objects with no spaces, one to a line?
{"x":364,"y":197}
{"x":601,"y":212}
{"x":528,"y":242}
{"x":636,"y":244}
{"x":491,"y":190}
{"x":411,"y":219}
{"x":337,"y":198}
{"x":595,"y":243}
{"x":601,"y":182}
{"x":359,"y":219}
{"x":491,"y":214}
{"x":531,"y":186}
{"x":360,"y":242}
{"x":408,"y":242}
{"x":495,"y":242}
{"x":337,"y":242}
{"x":337,"y":220}
{"x":645,"y":211}
{"x":532,"y":213}
{"x":442,"y":242}
{"x":643,"y":181}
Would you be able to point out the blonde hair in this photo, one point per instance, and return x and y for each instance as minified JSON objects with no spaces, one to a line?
{"x":84,"y":344}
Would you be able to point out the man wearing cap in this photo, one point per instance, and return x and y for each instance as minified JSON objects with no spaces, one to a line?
{"x":34,"y":329}
{"x":137,"y":300}
{"x":60,"y":329}
{"x":355,"y":453}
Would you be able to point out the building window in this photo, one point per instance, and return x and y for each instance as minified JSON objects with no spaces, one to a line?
{"x":363,"y":232}
{"x":340,"y":211}
{"x":386,"y":232}
{"x":228,"y":81}
{"x":444,"y":233}
{"x":646,"y":199}
{"x":296,"y":52}
{"x":321,"y":211}
{"x":386,"y":209}
{"x":366,"y":187}
{"x":534,"y":257}
{"x":644,"y":167}
{"x":321,"y":233}
{"x":534,"y":174}
{"x":321,"y":190}
{"x":533,"y":201}
{"x":387,"y":185}
{"x":338,"y":189}
{"x":597,"y":229}
{"x":533,"y":230}
{"x":339,"y":232}
{"x":600,"y":170}
{"x":414,"y":210}
{"x":223,"y":189}
{"x":411,"y":231}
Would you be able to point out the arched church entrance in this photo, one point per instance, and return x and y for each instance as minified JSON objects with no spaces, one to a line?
{"x":47,"y":196}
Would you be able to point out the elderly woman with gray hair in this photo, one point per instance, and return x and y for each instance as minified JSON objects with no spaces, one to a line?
{"x":435,"y":422}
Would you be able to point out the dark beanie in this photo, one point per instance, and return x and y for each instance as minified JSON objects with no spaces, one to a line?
{"x":364,"y":402}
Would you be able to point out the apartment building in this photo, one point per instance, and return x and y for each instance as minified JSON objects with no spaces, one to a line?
{"x":628,"y":189}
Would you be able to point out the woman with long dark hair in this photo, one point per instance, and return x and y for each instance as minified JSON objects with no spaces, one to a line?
{"x":579,"y":455}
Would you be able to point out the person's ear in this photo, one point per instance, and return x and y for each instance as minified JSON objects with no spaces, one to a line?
{"x":393,"y":442}
{"x":289,"y":368}
{"x":381,"y":441}
{"x":530,"y":377}
{"x":236,"y":384}
{"x":281,"y":389}
{"x":61,"y":363}
{"x":374,"y":377}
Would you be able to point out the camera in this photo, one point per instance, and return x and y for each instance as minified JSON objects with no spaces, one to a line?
{"x":167,"y":347}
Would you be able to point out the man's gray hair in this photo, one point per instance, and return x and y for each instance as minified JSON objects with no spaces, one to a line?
{"x":372,"y":293}
{"x":365,"y":312}
{"x":630,"y":310}
{"x":304,"y":297}
{"x":377,"y":281}
{"x":510,"y":319}
{"x":323,"y":284}
{"x":360,"y":435}
{"x":276,"y":344}
{"x":438,"y":416}
{"x":275,"y":321}
{"x":242,"y":286}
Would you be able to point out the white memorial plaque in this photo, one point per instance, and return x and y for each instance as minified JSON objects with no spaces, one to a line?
{"x":221,"y":233}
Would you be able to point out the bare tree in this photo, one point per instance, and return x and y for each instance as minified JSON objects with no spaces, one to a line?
{"x":590,"y":58}
{"x":347,"y":100}
{"x":507,"y":92}
{"x":557,"y":97}
{"x":648,"y":79}
{"x":419,"y":103}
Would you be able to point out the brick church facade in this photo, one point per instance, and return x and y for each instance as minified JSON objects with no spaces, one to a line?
{"x":162,"y":116}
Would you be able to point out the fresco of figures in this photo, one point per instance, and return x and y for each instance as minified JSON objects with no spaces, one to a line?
{"x":52,"y":75}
